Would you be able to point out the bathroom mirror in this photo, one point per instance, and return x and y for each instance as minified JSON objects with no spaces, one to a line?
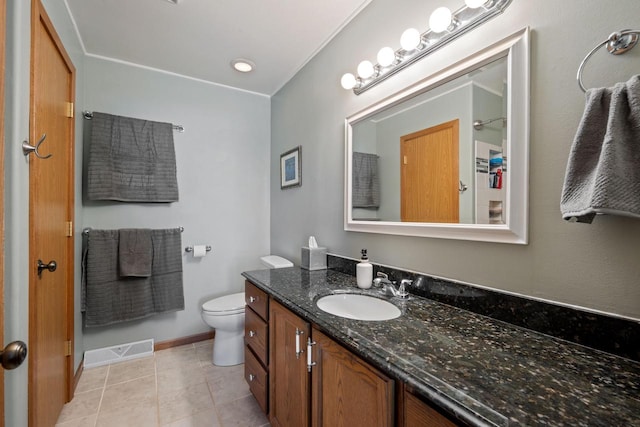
{"x":448,"y":156}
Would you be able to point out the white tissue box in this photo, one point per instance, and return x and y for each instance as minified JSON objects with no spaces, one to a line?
{"x":314,"y":258}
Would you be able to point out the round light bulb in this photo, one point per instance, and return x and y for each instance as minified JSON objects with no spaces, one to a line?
{"x":474,"y":4}
{"x":410,"y":39}
{"x":440,"y":19}
{"x":386,"y":56}
{"x":365,"y":69}
{"x":348,"y":81}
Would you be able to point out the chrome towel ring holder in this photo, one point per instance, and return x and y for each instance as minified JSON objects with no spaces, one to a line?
{"x":617,"y":44}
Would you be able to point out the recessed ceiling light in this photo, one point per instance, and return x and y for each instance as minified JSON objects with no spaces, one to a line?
{"x":174,"y":1}
{"x":243,"y":65}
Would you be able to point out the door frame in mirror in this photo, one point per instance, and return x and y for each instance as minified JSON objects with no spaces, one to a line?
{"x":515,"y":230}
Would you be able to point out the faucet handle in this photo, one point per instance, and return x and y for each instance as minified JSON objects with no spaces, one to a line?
{"x":383,"y":275}
{"x":402,"y":290}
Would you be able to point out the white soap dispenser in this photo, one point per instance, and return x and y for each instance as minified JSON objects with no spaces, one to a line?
{"x":364,"y":271}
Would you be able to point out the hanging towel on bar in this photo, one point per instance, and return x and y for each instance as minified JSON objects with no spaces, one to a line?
{"x":108,"y":298}
{"x":603,"y":172}
{"x":135,"y":252}
{"x":366,"y":182}
{"x":131,"y":160}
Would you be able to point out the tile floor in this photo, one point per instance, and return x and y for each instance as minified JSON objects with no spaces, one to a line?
{"x":177,"y":387}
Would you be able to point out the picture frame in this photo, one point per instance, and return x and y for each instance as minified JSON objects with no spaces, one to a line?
{"x":291,"y":168}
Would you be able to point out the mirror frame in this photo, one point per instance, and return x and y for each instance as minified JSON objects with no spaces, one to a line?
{"x":516,"y":49}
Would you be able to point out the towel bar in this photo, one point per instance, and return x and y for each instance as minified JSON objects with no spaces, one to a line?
{"x":89,"y":115}
{"x":86,"y":230}
{"x":617,"y":44}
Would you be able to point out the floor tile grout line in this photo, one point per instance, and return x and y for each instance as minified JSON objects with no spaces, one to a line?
{"x":104,"y":388}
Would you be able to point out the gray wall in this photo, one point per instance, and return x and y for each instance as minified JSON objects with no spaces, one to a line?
{"x":223,"y":179}
{"x":593,"y":266}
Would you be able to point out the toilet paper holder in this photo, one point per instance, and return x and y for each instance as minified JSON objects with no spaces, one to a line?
{"x":190,"y":248}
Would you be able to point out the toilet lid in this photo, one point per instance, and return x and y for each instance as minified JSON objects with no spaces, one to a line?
{"x":233,"y":302}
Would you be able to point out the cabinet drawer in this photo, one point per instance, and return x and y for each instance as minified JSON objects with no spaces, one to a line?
{"x":257,"y":378}
{"x":256,"y":334}
{"x":256,"y":299}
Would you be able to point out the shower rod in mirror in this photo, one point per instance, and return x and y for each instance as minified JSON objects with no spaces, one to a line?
{"x":445,"y":26}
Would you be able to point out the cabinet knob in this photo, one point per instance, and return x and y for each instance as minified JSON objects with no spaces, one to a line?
{"x":252,"y":299}
{"x":252,"y":377}
{"x":252,"y":334}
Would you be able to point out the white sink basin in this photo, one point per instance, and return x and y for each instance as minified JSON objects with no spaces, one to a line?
{"x":359,"y":307}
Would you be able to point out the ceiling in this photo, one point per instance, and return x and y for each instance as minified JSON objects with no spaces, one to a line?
{"x":200,"y":38}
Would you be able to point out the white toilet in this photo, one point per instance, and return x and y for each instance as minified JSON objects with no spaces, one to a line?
{"x":226,"y":315}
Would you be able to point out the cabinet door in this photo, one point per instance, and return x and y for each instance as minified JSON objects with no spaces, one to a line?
{"x":419,"y":414}
{"x":288,"y":377}
{"x":346,"y":390}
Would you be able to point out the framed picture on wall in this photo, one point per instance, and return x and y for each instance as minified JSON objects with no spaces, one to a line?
{"x":290,"y":168}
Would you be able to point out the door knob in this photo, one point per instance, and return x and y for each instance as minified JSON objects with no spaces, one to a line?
{"x":13,"y":355}
{"x":42,"y":266}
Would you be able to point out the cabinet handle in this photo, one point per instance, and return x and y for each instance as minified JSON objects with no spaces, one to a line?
{"x":252,"y":377}
{"x":310,"y":364}
{"x":299,"y":351}
{"x":252,"y":299}
{"x":252,"y":334}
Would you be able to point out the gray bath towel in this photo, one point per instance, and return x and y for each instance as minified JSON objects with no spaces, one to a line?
{"x":135,"y":252}
{"x":603,"y":172}
{"x":366,"y":182}
{"x":131,"y":160}
{"x":108,"y":298}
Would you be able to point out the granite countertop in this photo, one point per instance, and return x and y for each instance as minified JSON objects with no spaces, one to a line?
{"x":481,"y":370}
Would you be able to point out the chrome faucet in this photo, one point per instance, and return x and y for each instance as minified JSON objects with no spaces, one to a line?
{"x":388,"y":287}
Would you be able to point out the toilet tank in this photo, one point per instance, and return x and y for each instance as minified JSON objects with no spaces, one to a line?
{"x":275,"y":261}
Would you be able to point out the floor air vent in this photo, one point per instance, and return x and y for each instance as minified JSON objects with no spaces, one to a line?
{"x":118,"y":353}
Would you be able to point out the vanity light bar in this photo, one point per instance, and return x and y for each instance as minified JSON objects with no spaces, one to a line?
{"x":473,"y":14}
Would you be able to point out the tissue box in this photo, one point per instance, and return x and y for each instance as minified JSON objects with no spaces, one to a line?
{"x":314,"y":258}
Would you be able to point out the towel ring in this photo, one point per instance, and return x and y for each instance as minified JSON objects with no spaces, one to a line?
{"x":617,"y":44}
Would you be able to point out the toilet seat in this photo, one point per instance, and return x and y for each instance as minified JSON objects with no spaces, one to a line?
{"x":225,"y":305}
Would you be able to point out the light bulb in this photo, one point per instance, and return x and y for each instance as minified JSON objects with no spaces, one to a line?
{"x":474,"y":4}
{"x":365,"y":69}
{"x":440,"y":19}
{"x":410,"y":39}
{"x":386,"y":56}
{"x":348,"y":81}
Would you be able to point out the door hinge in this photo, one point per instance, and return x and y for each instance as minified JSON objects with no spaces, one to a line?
{"x":70,"y":110}
{"x":68,"y":348}
{"x":69,"y":230}
{"x":405,"y":160}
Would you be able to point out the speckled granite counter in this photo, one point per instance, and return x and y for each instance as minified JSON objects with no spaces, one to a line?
{"x":481,"y":370}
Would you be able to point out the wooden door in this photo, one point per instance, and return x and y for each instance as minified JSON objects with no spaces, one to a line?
{"x":51,"y":189}
{"x":429,"y":175}
{"x":289,"y":392}
{"x":346,"y":391}
{"x":3,"y":11}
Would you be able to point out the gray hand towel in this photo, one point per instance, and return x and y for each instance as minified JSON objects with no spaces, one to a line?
{"x":366,"y":182}
{"x":131,"y":160}
{"x":603,"y":172}
{"x":135,"y":252}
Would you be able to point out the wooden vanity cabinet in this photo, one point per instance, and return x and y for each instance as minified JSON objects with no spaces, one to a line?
{"x":340,"y":390}
{"x":346,"y":390}
{"x":417,"y":413}
{"x":256,"y":349}
{"x":289,"y":381}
